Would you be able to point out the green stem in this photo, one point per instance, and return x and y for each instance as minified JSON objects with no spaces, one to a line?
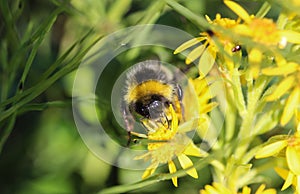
{"x":7,"y":130}
{"x":38,"y":89}
{"x":154,"y":179}
{"x":199,"y":21}
{"x":230,"y":119}
{"x":238,"y":93}
{"x":264,"y":9}
{"x":43,"y":106}
{"x":254,"y":95}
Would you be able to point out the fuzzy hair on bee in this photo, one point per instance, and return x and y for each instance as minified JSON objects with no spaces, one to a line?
{"x":150,"y":88}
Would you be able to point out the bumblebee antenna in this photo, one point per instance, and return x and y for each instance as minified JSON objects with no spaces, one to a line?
{"x":165,"y":120}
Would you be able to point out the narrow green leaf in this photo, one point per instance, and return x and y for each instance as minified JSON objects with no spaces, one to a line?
{"x":201,"y":163}
{"x":198,"y":20}
{"x":7,"y":130}
{"x":43,"y":106}
{"x":264,"y":9}
{"x":265,"y":123}
{"x":118,"y":10}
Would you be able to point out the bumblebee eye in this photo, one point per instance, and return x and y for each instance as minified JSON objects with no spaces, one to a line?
{"x":155,"y":109}
{"x":156,"y":105}
{"x":179,"y":92}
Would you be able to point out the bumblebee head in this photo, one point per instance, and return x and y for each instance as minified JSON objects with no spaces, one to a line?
{"x":150,"y":107}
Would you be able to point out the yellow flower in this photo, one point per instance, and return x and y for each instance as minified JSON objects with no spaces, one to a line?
{"x":260,"y":190}
{"x":291,"y":146}
{"x":204,"y":94}
{"x":169,"y":144}
{"x":290,"y":179}
{"x":263,"y":31}
{"x":206,"y":103}
{"x":207,"y":51}
{"x":290,"y":84}
{"x":218,"y":188}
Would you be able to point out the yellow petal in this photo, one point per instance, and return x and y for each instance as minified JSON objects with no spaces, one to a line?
{"x":291,"y":104}
{"x":207,"y":61}
{"x":246,"y":190}
{"x":204,"y":96}
{"x":145,"y":156}
{"x":185,"y":162}
{"x":286,"y":175}
{"x":236,"y":8}
{"x":174,"y":124}
{"x":172,"y":169}
{"x":297,"y":120}
{"x":208,"y":19}
{"x":189,"y":44}
{"x":192,"y":150}
{"x":199,"y":85}
{"x":293,"y":159}
{"x":280,"y":60}
{"x":150,"y":170}
{"x":194,"y":54}
{"x":281,"y":70}
{"x":221,"y":188}
{"x":297,"y":184}
{"x":208,"y":107}
{"x":255,"y":56}
{"x":211,"y":190}
{"x":268,"y":191}
{"x":283,"y":173}
{"x":288,"y":181}
{"x":271,"y":149}
{"x":282,"y":88}
{"x":291,"y":36}
{"x":254,"y":70}
{"x":261,"y":190}
{"x":242,"y":29}
{"x":191,"y":124}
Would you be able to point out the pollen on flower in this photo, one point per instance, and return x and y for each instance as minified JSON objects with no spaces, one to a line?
{"x":264,"y":31}
{"x":168,"y":144}
{"x":164,"y":152}
{"x":294,"y":141}
{"x":224,"y":22}
{"x":207,"y":52}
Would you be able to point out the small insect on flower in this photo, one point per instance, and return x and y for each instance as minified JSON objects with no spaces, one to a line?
{"x":150,"y":89}
{"x":236,"y":48}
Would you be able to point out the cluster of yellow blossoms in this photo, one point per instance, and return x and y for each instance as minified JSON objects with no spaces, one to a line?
{"x":290,"y":145}
{"x":251,"y":47}
{"x":170,"y":143}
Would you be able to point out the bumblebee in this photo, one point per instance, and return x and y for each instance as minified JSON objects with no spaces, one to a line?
{"x":150,"y":89}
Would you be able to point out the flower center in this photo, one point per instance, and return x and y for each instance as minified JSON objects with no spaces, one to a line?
{"x":294,"y":141}
{"x":264,"y":31}
{"x":166,"y":151}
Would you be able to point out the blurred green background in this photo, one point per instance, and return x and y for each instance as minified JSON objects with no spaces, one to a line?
{"x":44,"y":152}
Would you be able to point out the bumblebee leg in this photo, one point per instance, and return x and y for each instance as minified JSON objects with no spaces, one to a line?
{"x":149,"y":125}
{"x":129,"y":138}
{"x":129,"y":123}
{"x":165,"y":121}
{"x":139,"y":135}
{"x":128,"y":119}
